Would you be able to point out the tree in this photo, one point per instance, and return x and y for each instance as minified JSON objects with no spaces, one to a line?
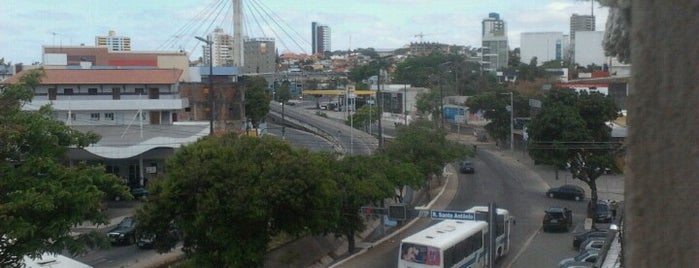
{"x":256,"y":100}
{"x":364,"y":117}
{"x":229,"y":195}
{"x":429,"y":103}
{"x":571,"y":129}
{"x":425,"y":146}
{"x":41,"y":199}
{"x":360,"y":181}
{"x":494,"y":108}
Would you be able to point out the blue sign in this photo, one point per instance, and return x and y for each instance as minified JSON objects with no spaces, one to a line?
{"x":452,"y":215}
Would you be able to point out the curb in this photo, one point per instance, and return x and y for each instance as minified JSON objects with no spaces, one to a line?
{"x":405,"y":226}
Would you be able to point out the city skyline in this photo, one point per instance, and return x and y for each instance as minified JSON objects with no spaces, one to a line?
{"x":26,"y":26}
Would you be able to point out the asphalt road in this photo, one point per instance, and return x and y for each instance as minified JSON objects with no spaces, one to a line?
{"x":511,"y":186}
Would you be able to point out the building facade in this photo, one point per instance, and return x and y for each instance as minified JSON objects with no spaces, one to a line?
{"x":545,"y":46}
{"x":114,"y":42}
{"x":494,"y":42}
{"x":579,"y":23}
{"x":589,"y":49}
{"x":320,"y":36}
{"x":135,"y":112}
{"x":223,"y":49}
{"x":65,"y":57}
{"x":260,"y":55}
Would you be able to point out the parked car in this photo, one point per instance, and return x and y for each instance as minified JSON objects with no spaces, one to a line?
{"x":466,"y":166}
{"x":581,"y":237}
{"x":559,"y":218}
{"x":567,"y":191}
{"x":124,"y":233}
{"x":593,"y":242}
{"x":589,"y":255}
{"x":579,"y":264}
{"x":139,"y":193}
{"x":147,"y":240}
{"x":603,"y":212}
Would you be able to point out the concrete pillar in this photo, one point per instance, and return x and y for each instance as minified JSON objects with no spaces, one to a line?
{"x":662,"y":174}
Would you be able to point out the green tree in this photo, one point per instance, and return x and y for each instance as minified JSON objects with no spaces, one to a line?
{"x":425,"y":146}
{"x":229,"y":195}
{"x":429,"y":103}
{"x":41,"y":199}
{"x":494,"y":108}
{"x":360,"y":181}
{"x":364,"y":117}
{"x":571,"y":129}
{"x":256,"y":100}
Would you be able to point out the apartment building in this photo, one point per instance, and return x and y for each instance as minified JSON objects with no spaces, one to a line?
{"x":133,"y":110}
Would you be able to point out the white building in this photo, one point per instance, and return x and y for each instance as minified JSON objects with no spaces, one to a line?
{"x":223,"y":49}
{"x":545,"y":46}
{"x":133,"y":110}
{"x":494,"y":42}
{"x":114,"y":42}
{"x":589,"y":49}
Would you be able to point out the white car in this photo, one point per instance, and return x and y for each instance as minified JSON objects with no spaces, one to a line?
{"x":593,"y":242}
{"x":589,"y":255}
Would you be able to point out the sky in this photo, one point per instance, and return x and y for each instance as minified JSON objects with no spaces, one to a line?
{"x":160,"y":25}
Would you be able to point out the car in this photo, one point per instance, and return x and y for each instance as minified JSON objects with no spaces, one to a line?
{"x":124,"y":233}
{"x":147,"y":240}
{"x":567,"y":191}
{"x":578,"y":264}
{"x":603,"y":212}
{"x":466,"y":166}
{"x":581,"y":237}
{"x":560,"y":218}
{"x":589,"y":255}
{"x":139,"y":193}
{"x":593,"y":242}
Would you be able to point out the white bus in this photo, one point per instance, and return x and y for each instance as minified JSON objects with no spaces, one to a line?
{"x":504,"y":224}
{"x":449,"y":243}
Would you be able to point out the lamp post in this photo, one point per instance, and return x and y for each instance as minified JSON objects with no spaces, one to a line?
{"x":405,"y":103}
{"x":441,"y":91}
{"x":211,"y":82}
{"x":380,"y":104}
{"x":512,"y":122}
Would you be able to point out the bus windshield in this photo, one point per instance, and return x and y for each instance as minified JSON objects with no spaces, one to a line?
{"x":420,"y":254}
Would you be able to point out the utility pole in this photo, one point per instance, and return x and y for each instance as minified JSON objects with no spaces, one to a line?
{"x":512,"y":122}
{"x":380,"y":104}
{"x":211,"y":82}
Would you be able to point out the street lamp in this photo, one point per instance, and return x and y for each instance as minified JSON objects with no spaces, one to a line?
{"x":211,"y":83}
{"x":512,"y":121}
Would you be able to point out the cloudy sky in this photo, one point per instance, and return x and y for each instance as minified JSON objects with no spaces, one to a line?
{"x":159,"y":25}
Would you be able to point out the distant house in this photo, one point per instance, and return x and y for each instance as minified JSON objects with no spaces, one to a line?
{"x":134,"y":110}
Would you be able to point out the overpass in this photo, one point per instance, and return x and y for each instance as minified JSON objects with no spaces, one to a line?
{"x":335,"y":92}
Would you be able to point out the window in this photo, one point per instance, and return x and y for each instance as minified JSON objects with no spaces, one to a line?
{"x":92,"y":91}
{"x":67,"y":91}
{"x":140,"y":91}
{"x":95,"y":116}
{"x":108,"y":116}
{"x":72,"y":116}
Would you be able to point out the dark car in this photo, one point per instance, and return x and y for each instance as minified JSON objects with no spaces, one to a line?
{"x":466,"y":167}
{"x":579,"y":238}
{"x":124,"y":233}
{"x":147,"y":240}
{"x":567,"y":191}
{"x":603,"y":212}
{"x":139,"y":193}
{"x":559,"y":218}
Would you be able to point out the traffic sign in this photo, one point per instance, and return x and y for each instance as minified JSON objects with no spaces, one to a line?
{"x":452,"y":215}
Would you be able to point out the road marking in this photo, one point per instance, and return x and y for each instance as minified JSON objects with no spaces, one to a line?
{"x":524,"y":247}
